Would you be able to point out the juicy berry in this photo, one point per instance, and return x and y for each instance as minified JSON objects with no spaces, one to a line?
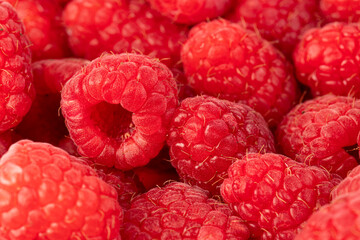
{"x":341,"y":10}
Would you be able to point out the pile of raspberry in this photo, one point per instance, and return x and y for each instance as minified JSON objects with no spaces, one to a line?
{"x":179,"y":119}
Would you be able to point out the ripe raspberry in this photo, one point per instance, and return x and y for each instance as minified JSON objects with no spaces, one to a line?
{"x":42,"y":20}
{"x":337,"y":221}
{"x":95,"y":26}
{"x":279,"y":21}
{"x":223,"y":59}
{"x":179,"y":211}
{"x":341,"y":10}
{"x":350,"y":184}
{"x":191,"y":11}
{"x":47,"y":194}
{"x":275,"y":194}
{"x":16,"y":88}
{"x":322,"y":132}
{"x":118,"y":109}
{"x":208,"y":134}
{"x":6,"y":140}
{"x":327,"y":59}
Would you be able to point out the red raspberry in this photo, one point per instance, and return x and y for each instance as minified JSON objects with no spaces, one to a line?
{"x":279,"y":21}
{"x":191,"y":11}
{"x":6,"y":140}
{"x":42,"y":20}
{"x":95,"y":26}
{"x":179,"y":211}
{"x":336,"y":221}
{"x":208,"y":134}
{"x":322,"y":132}
{"x":327,"y":59}
{"x":275,"y":194}
{"x":16,"y":88}
{"x":350,"y":184}
{"x":47,"y":194}
{"x":341,"y":10}
{"x":118,"y":109}
{"x":223,"y":59}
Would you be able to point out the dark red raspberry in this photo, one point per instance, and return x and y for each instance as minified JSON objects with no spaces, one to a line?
{"x":191,"y":11}
{"x":208,"y":134}
{"x":341,"y":10}
{"x":222,"y":59}
{"x":281,"y":22}
{"x":47,"y":194}
{"x":179,"y":211}
{"x":118,"y":26}
{"x":327,"y":59}
{"x":275,"y":194}
{"x":16,"y":88}
{"x":42,"y":20}
{"x":118,"y":109}
{"x":6,"y":140}
{"x":350,"y":184}
{"x":322,"y":132}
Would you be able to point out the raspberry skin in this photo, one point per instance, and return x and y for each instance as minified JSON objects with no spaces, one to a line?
{"x":191,"y":11}
{"x":223,"y":59}
{"x":281,"y":22}
{"x":350,"y":184}
{"x":180,"y":211}
{"x":208,"y":134}
{"x":323,"y":132}
{"x":118,"y":109}
{"x":341,"y":10}
{"x":118,"y":26}
{"x":327,"y":60}
{"x":16,"y":88}
{"x":47,"y":194}
{"x":275,"y":194}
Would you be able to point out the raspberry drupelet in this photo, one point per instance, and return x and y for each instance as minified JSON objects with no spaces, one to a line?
{"x":118,"y":109}
{"x":351,"y":183}
{"x":341,"y":10}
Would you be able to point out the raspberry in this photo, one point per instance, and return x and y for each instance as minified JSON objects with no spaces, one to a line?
{"x":275,"y":194}
{"x":327,"y":60}
{"x":179,"y":211}
{"x":47,"y":194}
{"x":6,"y":140}
{"x":208,"y":134}
{"x":42,"y":20}
{"x":118,"y":109}
{"x":95,"y":26}
{"x":16,"y":88}
{"x":341,"y":10}
{"x":191,"y":11}
{"x":322,"y":132}
{"x":279,"y":21}
{"x":350,"y":184}
{"x":223,"y":59}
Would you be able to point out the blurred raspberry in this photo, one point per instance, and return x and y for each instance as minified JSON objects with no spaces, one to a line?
{"x":341,"y":10}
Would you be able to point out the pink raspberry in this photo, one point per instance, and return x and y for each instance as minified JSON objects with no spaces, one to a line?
{"x":224,"y":60}
{"x":341,"y":10}
{"x":275,"y":194}
{"x":208,"y":134}
{"x":322,"y":132}
{"x":118,"y":109}
{"x":350,"y":184}
{"x":327,"y":60}
{"x":179,"y":211}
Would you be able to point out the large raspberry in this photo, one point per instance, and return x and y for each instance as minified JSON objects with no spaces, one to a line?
{"x":95,"y":26}
{"x":208,"y":134}
{"x":327,"y":59}
{"x":223,"y":59}
{"x":341,"y":10}
{"x":47,"y":194}
{"x":179,"y":211}
{"x":322,"y":132}
{"x":281,"y":22}
{"x":118,"y":109}
{"x":275,"y":194}
{"x":191,"y":11}
{"x":350,"y":184}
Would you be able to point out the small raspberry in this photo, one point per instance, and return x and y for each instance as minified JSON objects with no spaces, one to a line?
{"x":275,"y":194}
{"x":96,"y":26}
{"x":179,"y":211}
{"x":191,"y":11}
{"x":350,"y":184}
{"x":222,"y":59}
{"x":118,"y":109}
{"x":47,"y":194}
{"x":322,"y":132}
{"x":327,"y":59}
{"x":341,"y":10}
{"x":6,"y":140}
{"x":208,"y":134}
